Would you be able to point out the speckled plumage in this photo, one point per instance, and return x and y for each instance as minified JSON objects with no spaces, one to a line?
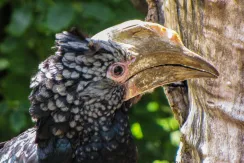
{"x":80,"y":115}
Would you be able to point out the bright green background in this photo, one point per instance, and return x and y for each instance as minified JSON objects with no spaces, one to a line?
{"x":27,"y":29}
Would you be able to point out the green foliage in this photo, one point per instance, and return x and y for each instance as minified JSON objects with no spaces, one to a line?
{"x":20,"y":21}
{"x":59,"y":16}
{"x":27,"y":30}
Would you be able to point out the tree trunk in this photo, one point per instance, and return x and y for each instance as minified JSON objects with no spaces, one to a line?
{"x":210,"y":111}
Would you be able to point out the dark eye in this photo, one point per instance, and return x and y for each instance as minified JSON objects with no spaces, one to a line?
{"x":118,"y":70}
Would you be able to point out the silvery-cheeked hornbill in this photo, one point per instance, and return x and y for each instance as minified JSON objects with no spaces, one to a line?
{"x":81,"y":95}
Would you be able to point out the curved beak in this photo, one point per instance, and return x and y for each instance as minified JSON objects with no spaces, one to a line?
{"x":160,"y":56}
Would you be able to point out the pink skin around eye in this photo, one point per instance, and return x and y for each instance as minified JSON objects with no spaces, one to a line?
{"x":124,"y":75}
{"x":118,"y":78}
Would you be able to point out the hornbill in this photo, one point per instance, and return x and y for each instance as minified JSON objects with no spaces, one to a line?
{"x":81,"y":95}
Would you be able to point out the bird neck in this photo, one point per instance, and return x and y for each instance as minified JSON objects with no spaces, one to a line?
{"x":109,"y":137}
{"x":106,"y":128}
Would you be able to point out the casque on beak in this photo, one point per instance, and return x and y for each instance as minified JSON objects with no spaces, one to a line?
{"x":161,"y":57}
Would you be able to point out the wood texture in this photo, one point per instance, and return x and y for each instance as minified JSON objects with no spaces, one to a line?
{"x":213,"y":122}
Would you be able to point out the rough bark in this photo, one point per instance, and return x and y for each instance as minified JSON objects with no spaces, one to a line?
{"x":211,"y":112}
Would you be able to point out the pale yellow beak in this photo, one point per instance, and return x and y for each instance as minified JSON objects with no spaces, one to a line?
{"x":161,"y":57}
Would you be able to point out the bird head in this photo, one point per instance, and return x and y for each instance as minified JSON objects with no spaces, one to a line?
{"x":155,"y":56}
{"x":80,"y":89}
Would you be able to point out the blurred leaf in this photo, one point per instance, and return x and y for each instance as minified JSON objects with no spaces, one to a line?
{"x":3,"y":64}
{"x":158,"y":161}
{"x":97,"y":11}
{"x":136,"y":130}
{"x":8,"y":45}
{"x":59,"y":16}
{"x":17,"y":120}
{"x":20,"y":21}
{"x":175,"y":137}
{"x":164,"y":123}
{"x":173,"y":124}
{"x":152,"y":106}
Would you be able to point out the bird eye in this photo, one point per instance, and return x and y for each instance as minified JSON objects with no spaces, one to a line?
{"x":118,"y":70}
